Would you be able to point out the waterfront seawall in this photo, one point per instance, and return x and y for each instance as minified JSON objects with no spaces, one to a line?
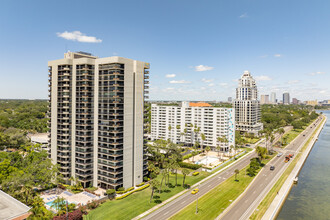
{"x":279,"y":200}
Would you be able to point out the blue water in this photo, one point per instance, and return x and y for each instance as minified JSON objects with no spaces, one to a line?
{"x":51,"y":203}
{"x":310,"y":198}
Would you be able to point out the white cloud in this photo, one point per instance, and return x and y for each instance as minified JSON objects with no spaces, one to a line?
{"x":211,"y":84}
{"x":323,"y":91}
{"x":278,"y":55}
{"x":245,"y":15}
{"x":170,"y":75}
{"x":263,"y":78}
{"x":207,"y":80}
{"x":316,"y":73}
{"x":201,"y":68}
{"x":293,"y":82}
{"x":78,"y":36}
{"x":179,"y":82}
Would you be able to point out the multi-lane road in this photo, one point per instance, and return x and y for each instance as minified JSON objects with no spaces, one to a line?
{"x":250,"y":199}
{"x":181,"y":202}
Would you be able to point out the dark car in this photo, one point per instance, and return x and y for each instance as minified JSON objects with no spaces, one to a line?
{"x":272,"y":167}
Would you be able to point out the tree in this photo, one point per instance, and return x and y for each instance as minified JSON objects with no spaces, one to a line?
{"x":218,"y":149}
{"x":169,"y":129}
{"x":232,"y":148}
{"x":281,"y":131}
{"x":59,"y":204}
{"x":236,"y":173}
{"x":203,"y":138}
{"x":261,"y":151}
{"x":111,"y":193}
{"x":207,"y":149}
{"x":154,"y":183}
{"x":185,"y":172}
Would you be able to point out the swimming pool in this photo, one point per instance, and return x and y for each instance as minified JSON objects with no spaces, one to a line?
{"x":52,"y":202}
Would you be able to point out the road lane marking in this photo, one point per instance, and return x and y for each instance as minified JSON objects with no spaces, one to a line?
{"x":209,"y":185}
{"x":165,"y":213}
{"x":183,"y":202}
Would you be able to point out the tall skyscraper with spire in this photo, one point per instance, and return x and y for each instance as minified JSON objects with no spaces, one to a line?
{"x":247,"y":105}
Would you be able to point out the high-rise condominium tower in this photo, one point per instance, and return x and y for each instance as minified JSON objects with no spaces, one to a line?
{"x":247,"y":106}
{"x":96,"y":119}
{"x":273,"y":98}
{"x":286,"y":98}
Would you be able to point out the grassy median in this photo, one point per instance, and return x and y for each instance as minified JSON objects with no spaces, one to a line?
{"x":263,"y":206}
{"x":138,"y":202}
{"x":218,"y":199}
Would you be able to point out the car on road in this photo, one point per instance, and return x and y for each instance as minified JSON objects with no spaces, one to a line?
{"x":272,"y":167}
{"x":280,"y":154}
{"x":195,"y":191}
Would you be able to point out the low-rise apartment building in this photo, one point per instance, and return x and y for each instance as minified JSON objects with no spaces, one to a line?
{"x":188,"y":122}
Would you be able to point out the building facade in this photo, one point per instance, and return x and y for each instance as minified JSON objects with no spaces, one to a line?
{"x":187,"y":122}
{"x":247,"y":106}
{"x":273,"y":98}
{"x":97,"y":119}
{"x":286,"y":98}
{"x":264,"y":99}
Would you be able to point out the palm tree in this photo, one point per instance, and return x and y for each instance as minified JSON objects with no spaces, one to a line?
{"x":58,"y":204}
{"x":236,"y":173}
{"x":178,"y":128}
{"x":185,"y":133}
{"x":207,"y":148}
{"x":218,"y":149}
{"x":169,"y":129}
{"x":281,"y":131}
{"x":176,"y":166}
{"x":154,"y":183}
{"x":232,"y":148}
{"x":163,"y":173}
{"x":203,"y":138}
{"x":185,"y":172}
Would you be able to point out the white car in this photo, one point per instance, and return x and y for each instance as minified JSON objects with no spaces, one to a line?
{"x":280,"y":154}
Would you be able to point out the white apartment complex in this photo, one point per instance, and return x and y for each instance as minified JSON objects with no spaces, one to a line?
{"x":97,"y":119}
{"x":186,"y":123}
{"x":247,"y":106}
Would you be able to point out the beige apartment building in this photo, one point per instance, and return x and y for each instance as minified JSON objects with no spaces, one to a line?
{"x":97,"y":119}
{"x":247,"y":105}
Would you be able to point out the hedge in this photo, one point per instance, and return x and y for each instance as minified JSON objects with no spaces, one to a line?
{"x":124,"y":191}
{"x":141,"y":184}
{"x":136,"y":190}
{"x":195,"y":173}
{"x":185,"y":157}
{"x":189,"y":165}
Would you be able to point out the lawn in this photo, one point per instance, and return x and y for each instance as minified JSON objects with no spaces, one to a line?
{"x":251,"y":140}
{"x":292,"y":134}
{"x":263,"y":206}
{"x":138,"y":202}
{"x":218,"y":199}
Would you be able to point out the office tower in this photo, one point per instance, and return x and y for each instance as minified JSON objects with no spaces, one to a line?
{"x":247,"y":106}
{"x":273,"y":98}
{"x":96,"y":119}
{"x":295,"y":101}
{"x":286,"y":98}
{"x":171,"y":122}
{"x":264,"y":99}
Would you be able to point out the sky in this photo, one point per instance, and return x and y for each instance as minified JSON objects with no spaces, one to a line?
{"x":197,"y":49}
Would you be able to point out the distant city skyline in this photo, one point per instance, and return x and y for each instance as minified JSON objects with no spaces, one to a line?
{"x":198,"y":50}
